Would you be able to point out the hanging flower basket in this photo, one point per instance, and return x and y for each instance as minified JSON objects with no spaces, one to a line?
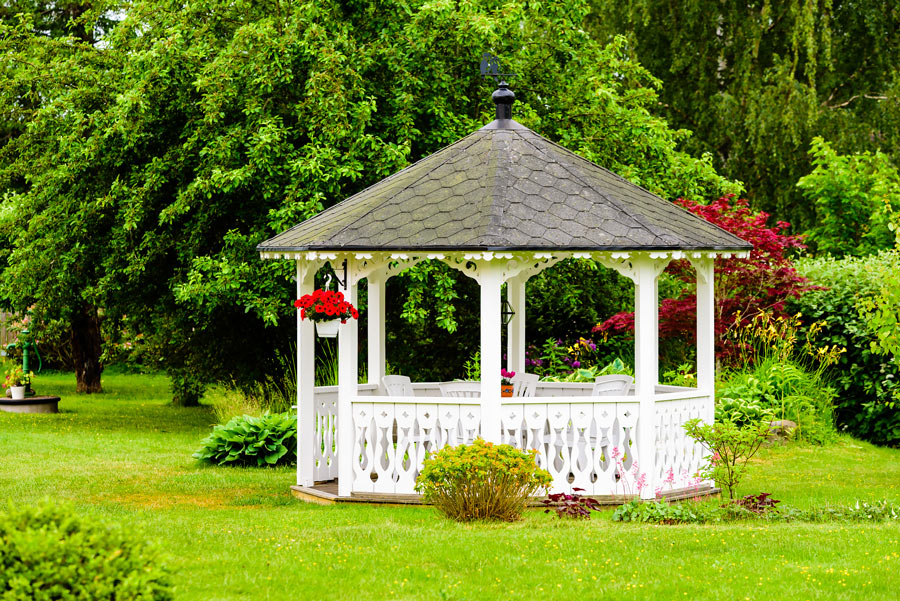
{"x":327,"y":309}
{"x":328,"y":329}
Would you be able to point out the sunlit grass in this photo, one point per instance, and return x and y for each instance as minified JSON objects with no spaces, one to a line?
{"x":236,"y":533}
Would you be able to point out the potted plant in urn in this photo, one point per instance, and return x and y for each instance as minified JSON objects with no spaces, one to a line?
{"x":327,"y":309}
{"x":16,"y":381}
{"x":506,"y":385}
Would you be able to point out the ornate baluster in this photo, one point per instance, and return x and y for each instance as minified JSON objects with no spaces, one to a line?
{"x":363,"y":447}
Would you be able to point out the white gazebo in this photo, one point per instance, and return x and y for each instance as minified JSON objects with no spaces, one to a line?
{"x":499,"y":205}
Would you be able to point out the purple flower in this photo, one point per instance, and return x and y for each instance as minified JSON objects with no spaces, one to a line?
{"x":576,"y":364}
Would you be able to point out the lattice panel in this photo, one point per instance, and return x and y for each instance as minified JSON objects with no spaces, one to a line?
{"x":577,"y":442}
{"x":674,"y":449}
{"x":325,"y":451}
{"x":391,"y":440}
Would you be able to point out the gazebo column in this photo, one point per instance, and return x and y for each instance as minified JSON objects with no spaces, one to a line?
{"x":646,"y":362}
{"x":376,"y":356}
{"x":348,"y":387}
{"x":491,"y":280}
{"x":706,"y":331}
{"x":306,"y":376}
{"x":515,"y":331}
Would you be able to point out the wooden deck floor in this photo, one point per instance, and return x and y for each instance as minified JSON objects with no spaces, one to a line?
{"x":326,"y":493}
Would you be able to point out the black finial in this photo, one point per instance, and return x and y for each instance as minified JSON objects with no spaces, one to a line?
{"x":503,"y":97}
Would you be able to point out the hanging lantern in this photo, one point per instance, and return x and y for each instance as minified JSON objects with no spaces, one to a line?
{"x":506,"y":312}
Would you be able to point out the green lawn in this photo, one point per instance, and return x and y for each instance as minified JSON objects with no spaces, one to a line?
{"x":237,"y":534}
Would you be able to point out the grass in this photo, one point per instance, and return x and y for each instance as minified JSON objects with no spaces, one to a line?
{"x":234,"y":534}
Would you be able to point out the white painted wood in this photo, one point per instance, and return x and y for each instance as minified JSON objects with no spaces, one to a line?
{"x":470,"y":390}
{"x":375,"y":327}
{"x":307,"y":421}
{"x":362,"y":456}
{"x":646,"y":357}
{"x":613,"y":385}
{"x":385,"y":448}
{"x":706,"y":334}
{"x":397,"y":385}
{"x":515,"y":331}
{"x":491,"y":279}
{"x":524,"y":385}
{"x":348,"y":370}
{"x":512,"y":423}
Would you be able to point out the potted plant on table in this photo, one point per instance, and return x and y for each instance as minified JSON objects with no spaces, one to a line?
{"x":327,"y":309}
{"x":16,"y":382}
{"x":506,"y":385}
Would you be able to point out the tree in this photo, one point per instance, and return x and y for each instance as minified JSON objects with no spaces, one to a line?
{"x":744,"y":287}
{"x":199,"y":129}
{"x":755,"y":81}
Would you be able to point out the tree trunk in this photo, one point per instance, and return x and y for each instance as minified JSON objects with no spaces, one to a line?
{"x":87,"y":345}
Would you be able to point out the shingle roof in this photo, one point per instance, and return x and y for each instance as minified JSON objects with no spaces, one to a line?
{"x":504,"y":187}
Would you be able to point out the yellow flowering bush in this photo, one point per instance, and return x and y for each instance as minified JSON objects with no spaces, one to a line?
{"x":481,"y":480}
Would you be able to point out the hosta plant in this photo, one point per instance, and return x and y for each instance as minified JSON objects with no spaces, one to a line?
{"x":268,"y":440}
{"x":481,"y":480}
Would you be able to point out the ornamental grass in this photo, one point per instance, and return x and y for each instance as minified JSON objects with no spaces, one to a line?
{"x":481,"y":481}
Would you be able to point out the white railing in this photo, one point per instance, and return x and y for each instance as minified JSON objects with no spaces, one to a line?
{"x":584,"y":442}
{"x":591,"y":445}
{"x":391,"y":438}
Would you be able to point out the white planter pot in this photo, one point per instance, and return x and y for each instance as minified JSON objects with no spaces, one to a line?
{"x":17,"y":392}
{"x":328,"y":329}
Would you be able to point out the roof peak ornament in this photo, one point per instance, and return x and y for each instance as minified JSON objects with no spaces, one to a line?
{"x":503,"y":97}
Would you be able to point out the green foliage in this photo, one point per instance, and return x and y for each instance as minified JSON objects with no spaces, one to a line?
{"x":48,"y":553}
{"x":664,"y":512}
{"x":866,"y":381}
{"x":589,"y":374}
{"x":150,"y":161}
{"x":264,"y":441}
{"x":481,"y":481}
{"x":731,"y":447}
{"x":783,"y":390}
{"x":755,"y":81}
{"x":855,"y":197}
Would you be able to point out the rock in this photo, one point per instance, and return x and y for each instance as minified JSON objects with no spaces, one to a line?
{"x":781,"y":429}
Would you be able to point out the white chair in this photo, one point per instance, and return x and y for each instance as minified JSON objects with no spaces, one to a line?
{"x":524,"y":385}
{"x":398,"y":385}
{"x":461,"y":389}
{"x":616,"y":385}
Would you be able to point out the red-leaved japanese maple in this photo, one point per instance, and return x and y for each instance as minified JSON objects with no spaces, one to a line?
{"x":762,"y":282}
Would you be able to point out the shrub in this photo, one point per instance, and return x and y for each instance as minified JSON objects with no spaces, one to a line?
{"x":663,"y":512}
{"x":572,"y":506}
{"x":762,"y":282}
{"x":865,"y":381}
{"x":481,"y":481}
{"x":51,"y":553}
{"x":731,"y":447}
{"x":267,"y":440}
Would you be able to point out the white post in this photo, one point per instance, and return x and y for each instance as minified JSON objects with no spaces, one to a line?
{"x":515,"y":331}
{"x":706,"y":332}
{"x":491,"y":280}
{"x":306,"y":379}
{"x":376,"y":356}
{"x":348,"y":389}
{"x":646,"y":365}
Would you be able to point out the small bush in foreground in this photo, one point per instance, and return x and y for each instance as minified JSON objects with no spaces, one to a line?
{"x":51,"y":553}
{"x":264,"y":441}
{"x":481,"y":481}
{"x":731,"y":447}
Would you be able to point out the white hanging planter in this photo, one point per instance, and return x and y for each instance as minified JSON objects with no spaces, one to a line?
{"x":17,"y":392}
{"x":328,"y":329}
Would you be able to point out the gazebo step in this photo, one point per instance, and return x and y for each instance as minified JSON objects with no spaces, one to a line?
{"x":325,"y":493}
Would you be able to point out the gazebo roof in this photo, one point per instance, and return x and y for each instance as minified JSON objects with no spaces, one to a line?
{"x":504,"y":187}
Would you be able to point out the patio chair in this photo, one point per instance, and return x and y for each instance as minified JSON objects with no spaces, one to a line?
{"x":524,"y":385}
{"x":616,"y":385}
{"x":461,"y":389}
{"x":398,"y":385}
